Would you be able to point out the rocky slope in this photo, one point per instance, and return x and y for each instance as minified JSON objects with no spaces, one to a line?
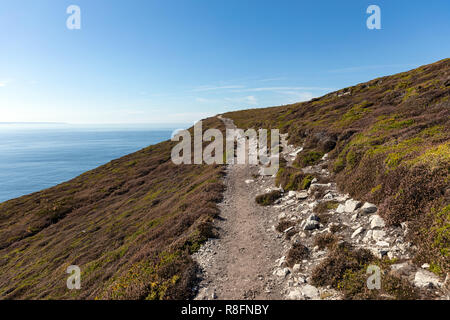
{"x":307,"y":228}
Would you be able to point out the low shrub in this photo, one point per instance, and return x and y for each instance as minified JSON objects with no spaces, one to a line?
{"x":296,"y":254}
{"x":269,"y":198}
{"x":325,"y":240}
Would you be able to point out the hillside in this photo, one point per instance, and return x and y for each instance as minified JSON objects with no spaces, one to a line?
{"x":130,"y":225}
{"x":133,"y":224}
{"x":389,"y":143}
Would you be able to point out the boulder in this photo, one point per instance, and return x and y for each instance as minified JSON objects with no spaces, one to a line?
{"x":426,"y":279}
{"x":291,"y":194}
{"x":351,"y":205}
{"x":295,"y":294}
{"x":357,"y":232}
{"x":368,"y":236}
{"x":376,"y":222}
{"x":311,"y":225}
{"x":301,"y":195}
{"x":313,"y":217}
{"x":281,"y":272}
{"x":378,"y":235}
{"x":310,"y":292}
{"x":368,"y":208}
{"x":340,"y":208}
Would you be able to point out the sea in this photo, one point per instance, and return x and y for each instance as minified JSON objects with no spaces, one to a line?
{"x":38,"y":156}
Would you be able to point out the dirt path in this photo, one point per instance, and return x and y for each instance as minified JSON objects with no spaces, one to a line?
{"x":239,"y":264}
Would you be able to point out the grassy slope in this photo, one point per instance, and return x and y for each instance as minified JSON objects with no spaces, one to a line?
{"x":389,"y":141}
{"x":130,"y":225}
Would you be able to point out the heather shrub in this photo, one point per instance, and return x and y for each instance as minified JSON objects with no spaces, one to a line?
{"x":269,"y":198}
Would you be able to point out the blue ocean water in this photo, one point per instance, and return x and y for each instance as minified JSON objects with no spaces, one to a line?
{"x":35,"y":157}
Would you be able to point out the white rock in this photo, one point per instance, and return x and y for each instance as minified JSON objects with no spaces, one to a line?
{"x":281,"y":261}
{"x":289,"y":202}
{"x":311,"y":225}
{"x":295,"y":294}
{"x":368,"y":236}
{"x":294,"y":154}
{"x":378,"y":235}
{"x":354,"y":217}
{"x":357,"y":232}
{"x":340,"y":208}
{"x":291,"y":194}
{"x":368,"y":208}
{"x":425,"y":266}
{"x":376,"y":222}
{"x":301,"y":195}
{"x":310,"y":292}
{"x":282,"y":272}
{"x":288,"y":229}
{"x":351,"y":205}
{"x":296,"y":268}
{"x":249,"y":181}
{"x":282,"y":215}
{"x":426,"y":279}
{"x":382,"y":244}
{"x":328,"y":196}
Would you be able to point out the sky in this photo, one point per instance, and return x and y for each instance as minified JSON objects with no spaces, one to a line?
{"x":164,"y":61}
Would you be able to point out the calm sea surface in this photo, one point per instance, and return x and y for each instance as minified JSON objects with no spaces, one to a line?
{"x":35,"y":157}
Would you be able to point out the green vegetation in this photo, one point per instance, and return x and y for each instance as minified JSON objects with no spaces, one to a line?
{"x":268,"y":199}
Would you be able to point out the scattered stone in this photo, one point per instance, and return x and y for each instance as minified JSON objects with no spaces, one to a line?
{"x":282,"y":272}
{"x":402,"y":269}
{"x":368,"y":208}
{"x":378,"y":235}
{"x":291,"y":194}
{"x":382,"y":244}
{"x":282,"y":215}
{"x":376,"y":222}
{"x":288,"y":229}
{"x":311,"y":225}
{"x":281,"y":261}
{"x":249,"y":181}
{"x":310,"y":292}
{"x":328,"y":196}
{"x":313,"y":217}
{"x":340,"y":208}
{"x":426,"y":279}
{"x":295,"y":294}
{"x":296,"y":268}
{"x":357,"y":232}
{"x":426,"y":266}
{"x":301,"y":195}
{"x":351,"y":205}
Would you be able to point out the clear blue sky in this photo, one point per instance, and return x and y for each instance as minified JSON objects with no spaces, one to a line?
{"x":178,"y":61}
